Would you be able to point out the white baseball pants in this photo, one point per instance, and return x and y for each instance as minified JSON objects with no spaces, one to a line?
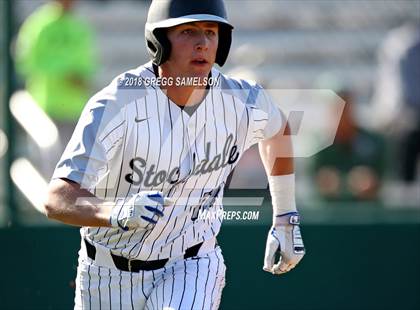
{"x":193,"y":283}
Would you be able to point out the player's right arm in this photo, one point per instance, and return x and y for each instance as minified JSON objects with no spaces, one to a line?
{"x":70,"y":197}
{"x":68,"y":203}
{"x":86,"y":161}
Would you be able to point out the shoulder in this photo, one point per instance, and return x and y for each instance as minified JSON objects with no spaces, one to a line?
{"x":230,"y":82}
{"x":246,"y":90}
{"x":123,"y":89}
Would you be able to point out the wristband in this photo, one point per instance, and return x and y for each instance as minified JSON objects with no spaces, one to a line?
{"x":291,"y":218}
{"x":282,"y":190}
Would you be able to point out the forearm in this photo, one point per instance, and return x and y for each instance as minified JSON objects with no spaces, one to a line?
{"x":277,"y":153}
{"x":69,"y":204}
{"x":84,"y":214}
{"x":277,"y":156}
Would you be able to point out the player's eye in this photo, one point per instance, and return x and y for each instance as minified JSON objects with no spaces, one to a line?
{"x":187,"y":31}
{"x":210,"y":32}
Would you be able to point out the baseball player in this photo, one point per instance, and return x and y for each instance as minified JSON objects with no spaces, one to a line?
{"x":151,"y":151}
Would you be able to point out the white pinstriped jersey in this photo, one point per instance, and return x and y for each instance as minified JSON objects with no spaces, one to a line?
{"x":131,"y":137}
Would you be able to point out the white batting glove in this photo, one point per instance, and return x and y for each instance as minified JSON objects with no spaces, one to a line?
{"x":141,"y":211}
{"x":284,"y":238}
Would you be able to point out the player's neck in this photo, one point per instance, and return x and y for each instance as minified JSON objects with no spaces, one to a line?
{"x":185,"y":95}
{"x":181,"y":94}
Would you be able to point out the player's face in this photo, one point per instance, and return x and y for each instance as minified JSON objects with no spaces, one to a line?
{"x":194,"y":47}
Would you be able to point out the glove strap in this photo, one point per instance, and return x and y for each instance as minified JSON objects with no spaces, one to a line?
{"x":290,"y":218}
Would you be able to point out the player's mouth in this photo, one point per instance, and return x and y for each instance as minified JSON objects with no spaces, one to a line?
{"x":199,"y":62}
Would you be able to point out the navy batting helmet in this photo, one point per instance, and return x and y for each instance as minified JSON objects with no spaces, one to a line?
{"x":168,"y":13}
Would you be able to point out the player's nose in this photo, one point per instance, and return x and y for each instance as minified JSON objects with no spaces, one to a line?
{"x":202,"y":42}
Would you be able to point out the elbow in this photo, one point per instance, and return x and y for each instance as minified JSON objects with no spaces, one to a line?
{"x":50,"y":211}
{"x":58,"y":203}
{"x":52,"y":208}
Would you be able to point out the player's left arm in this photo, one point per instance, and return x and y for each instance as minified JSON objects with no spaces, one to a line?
{"x":284,"y":236}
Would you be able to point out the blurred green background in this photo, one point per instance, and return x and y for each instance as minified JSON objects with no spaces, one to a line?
{"x":363,"y":250}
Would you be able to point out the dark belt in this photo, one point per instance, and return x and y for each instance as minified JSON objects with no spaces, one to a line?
{"x":135,"y":265}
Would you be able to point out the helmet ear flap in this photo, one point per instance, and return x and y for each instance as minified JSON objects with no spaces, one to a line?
{"x":225,"y":41}
{"x":158,"y":45}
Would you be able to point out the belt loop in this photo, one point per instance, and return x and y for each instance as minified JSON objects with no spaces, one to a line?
{"x":90,"y":250}
{"x":129,"y":265}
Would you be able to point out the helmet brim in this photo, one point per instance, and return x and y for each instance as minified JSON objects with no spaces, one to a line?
{"x":171,"y":22}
